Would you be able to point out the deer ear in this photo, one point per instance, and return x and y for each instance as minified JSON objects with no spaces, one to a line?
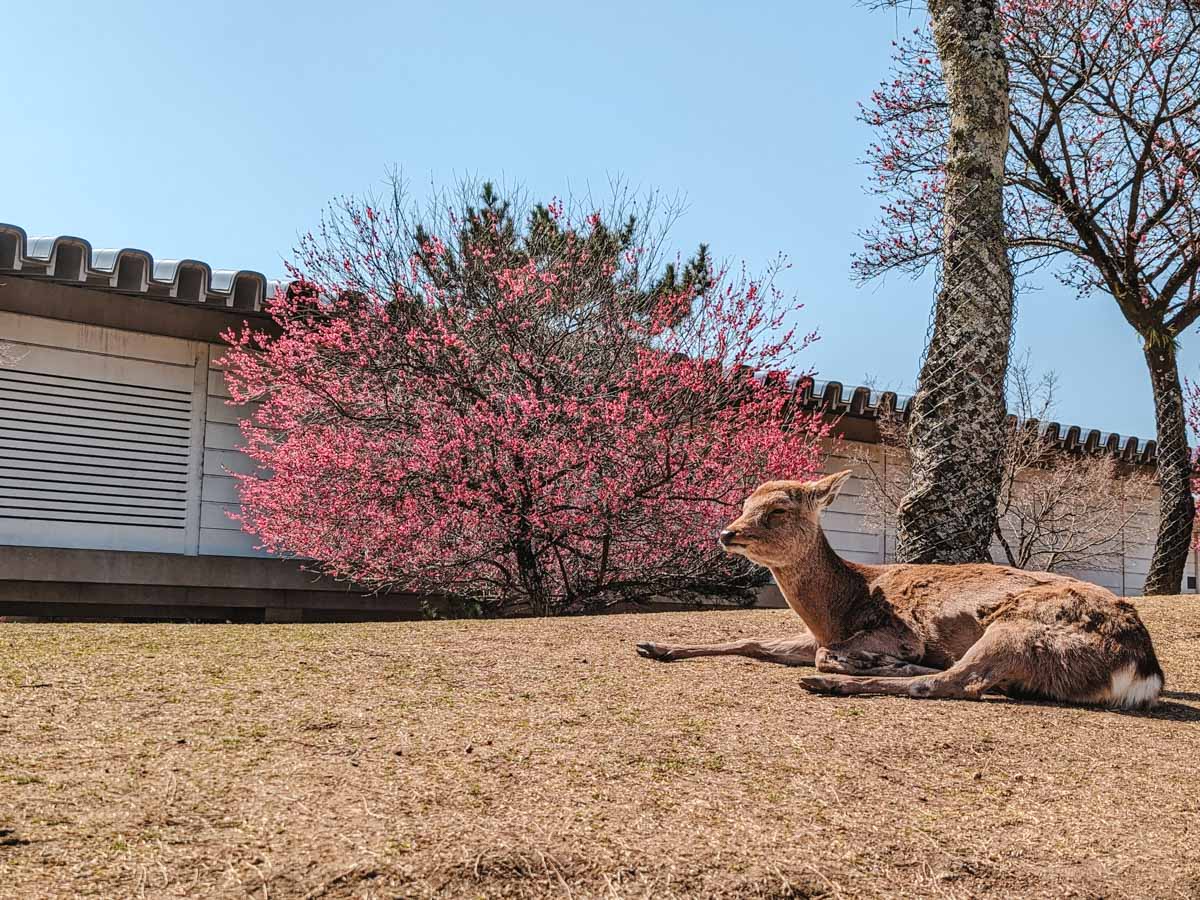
{"x":825,"y":490}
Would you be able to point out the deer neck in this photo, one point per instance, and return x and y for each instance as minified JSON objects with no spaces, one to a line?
{"x":822,"y":591}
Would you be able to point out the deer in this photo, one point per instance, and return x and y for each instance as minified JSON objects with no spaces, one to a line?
{"x":930,"y":631}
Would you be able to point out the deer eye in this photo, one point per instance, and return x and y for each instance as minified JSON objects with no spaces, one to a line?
{"x":774,"y":517}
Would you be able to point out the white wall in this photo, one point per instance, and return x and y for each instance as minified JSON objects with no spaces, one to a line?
{"x":848,"y":531}
{"x":219,"y":534}
{"x":118,"y":440}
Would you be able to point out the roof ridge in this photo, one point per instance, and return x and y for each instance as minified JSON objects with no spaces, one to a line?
{"x":862,"y":402}
{"x":72,"y":260}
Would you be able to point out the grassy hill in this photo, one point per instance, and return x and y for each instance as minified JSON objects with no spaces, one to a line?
{"x":544,"y":758}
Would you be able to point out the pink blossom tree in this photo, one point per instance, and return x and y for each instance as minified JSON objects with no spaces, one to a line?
{"x":513,"y":411}
{"x":1102,"y":183}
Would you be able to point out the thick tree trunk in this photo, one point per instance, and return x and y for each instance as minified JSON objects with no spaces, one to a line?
{"x":1176,"y":509}
{"x":533,"y":580}
{"x":956,"y":429}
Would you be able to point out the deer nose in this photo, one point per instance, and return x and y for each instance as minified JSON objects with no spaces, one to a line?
{"x":727,"y":537}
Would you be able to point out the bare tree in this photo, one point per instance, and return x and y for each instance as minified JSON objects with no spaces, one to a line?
{"x":1056,"y":510}
{"x":1102,"y":183}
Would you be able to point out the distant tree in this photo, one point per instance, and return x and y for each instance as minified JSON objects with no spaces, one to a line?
{"x":1056,"y":511}
{"x":514,"y":410}
{"x":623,"y":242}
{"x":1102,"y":180}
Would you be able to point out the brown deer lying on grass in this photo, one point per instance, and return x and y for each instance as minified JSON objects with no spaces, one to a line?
{"x":931,"y":630}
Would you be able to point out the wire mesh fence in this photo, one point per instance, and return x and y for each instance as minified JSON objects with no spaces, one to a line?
{"x":958,"y":414}
{"x":1174,"y":474}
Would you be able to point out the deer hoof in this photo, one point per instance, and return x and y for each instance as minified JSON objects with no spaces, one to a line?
{"x":647,"y":650}
{"x":836,"y":664}
{"x":828,"y":684}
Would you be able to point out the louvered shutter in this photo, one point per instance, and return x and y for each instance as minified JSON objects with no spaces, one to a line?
{"x":96,"y":450}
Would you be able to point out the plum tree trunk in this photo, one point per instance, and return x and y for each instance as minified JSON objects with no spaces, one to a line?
{"x":956,"y":430}
{"x":1176,"y":507}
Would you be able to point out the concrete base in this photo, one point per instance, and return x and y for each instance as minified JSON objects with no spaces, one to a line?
{"x":278,"y":615}
{"x":51,"y":582}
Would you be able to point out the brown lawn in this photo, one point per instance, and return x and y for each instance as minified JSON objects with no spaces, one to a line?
{"x":544,"y":758}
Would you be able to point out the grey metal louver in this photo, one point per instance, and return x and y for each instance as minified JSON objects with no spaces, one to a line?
{"x":77,"y":450}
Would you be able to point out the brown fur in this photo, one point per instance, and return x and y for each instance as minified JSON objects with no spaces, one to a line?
{"x":931,"y":630}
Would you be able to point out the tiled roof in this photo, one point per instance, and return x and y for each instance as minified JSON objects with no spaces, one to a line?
{"x":833,"y":398}
{"x":71,"y":260}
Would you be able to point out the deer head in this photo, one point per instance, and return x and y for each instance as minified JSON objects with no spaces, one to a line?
{"x":780,"y":522}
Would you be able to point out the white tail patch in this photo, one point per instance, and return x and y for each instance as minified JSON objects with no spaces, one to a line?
{"x":1128,"y":690}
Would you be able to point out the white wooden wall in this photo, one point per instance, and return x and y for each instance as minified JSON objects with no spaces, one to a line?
{"x":845,"y":524}
{"x":115,"y":440}
{"x":219,"y":534}
{"x":98,"y":437}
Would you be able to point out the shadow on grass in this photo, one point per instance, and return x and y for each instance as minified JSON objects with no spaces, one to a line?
{"x":1194,"y":696}
{"x":1166,"y":708}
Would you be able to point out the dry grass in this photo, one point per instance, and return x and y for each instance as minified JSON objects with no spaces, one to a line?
{"x":543,"y":758}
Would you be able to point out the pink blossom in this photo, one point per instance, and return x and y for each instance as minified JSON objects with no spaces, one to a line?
{"x":517,"y":445}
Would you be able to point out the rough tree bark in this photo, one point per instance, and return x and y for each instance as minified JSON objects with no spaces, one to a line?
{"x":956,"y":429}
{"x":1176,"y":507}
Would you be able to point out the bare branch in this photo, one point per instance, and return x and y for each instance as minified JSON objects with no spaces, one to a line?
{"x":1057,"y":510}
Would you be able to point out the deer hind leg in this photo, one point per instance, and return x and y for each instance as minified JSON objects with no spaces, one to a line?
{"x":1001,"y":659}
{"x":797,"y":651}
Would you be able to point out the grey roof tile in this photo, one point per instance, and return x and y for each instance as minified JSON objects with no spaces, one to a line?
{"x":72,"y":260}
{"x":833,"y":398}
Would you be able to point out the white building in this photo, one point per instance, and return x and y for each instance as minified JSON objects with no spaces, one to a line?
{"x":857,"y":410}
{"x":116,"y":446}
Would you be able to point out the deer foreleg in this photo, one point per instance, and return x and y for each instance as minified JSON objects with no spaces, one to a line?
{"x":861,"y":662}
{"x":885,"y":653}
{"x":797,"y":651}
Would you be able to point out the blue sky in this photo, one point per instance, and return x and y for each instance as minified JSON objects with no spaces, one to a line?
{"x":218,"y":131}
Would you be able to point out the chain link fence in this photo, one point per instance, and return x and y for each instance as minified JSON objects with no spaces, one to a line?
{"x":1174,"y":459}
{"x":955,"y":432}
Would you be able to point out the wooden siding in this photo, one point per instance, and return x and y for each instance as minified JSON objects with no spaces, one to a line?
{"x":117,"y":440}
{"x":221,"y":535}
{"x":851,"y":536}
